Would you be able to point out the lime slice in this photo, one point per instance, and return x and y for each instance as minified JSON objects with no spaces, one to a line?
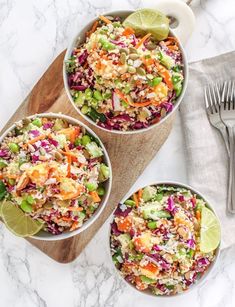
{"x":148,"y":21}
{"x":210,"y":231}
{"x":17,"y":222}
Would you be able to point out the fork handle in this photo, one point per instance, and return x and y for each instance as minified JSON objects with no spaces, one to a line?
{"x":231,"y":184}
{"x":225,"y":135}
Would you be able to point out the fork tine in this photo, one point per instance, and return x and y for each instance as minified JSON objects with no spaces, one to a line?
{"x":206,"y":95}
{"x":232,"y":100}
{"x":223,"y":96}
{"x":214,"y":101}
{"x":209,"y":99}
{"x":217,"y":90}
{"x":229,"y":93}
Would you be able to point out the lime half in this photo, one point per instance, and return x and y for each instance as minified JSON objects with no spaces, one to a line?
{"x":17,"y":222}
{"x":148,"y":21}
{"x":210,"y":231}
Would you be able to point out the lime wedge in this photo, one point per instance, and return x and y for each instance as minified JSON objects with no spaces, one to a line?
{"x":210,"y":231}
{"x":148,"y":21}
{"x":17,"y":222}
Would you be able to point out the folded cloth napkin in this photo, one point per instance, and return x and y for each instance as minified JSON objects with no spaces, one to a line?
{"x":207,"y":160}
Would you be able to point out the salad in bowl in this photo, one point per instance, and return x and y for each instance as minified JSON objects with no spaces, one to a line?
{"x":128,"y":72}
{"x":55,"y":177}
{"x":164,"y":239}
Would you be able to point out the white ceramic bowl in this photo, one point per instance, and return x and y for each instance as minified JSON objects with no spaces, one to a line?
{"x":204,"y":277}
{"x":43,"y":235}
{"x":79,"y":39}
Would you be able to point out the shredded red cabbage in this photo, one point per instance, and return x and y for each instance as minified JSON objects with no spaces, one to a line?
{"x":170,"y":204}
{"x":82,"y":57}
{"x":34,"y":133}
{"x":79,"y":87}
{"x":4,"y":153}
{"x":122,"y":210}
{"x":48,"y":125}
{"x":114,"y":229}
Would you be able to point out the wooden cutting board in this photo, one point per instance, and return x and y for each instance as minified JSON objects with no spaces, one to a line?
{"x":129,"y":155}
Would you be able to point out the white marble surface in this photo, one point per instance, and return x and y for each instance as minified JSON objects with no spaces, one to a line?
{"x":32,"y":33}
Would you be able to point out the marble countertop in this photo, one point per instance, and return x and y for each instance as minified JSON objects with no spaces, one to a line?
{"x":32,"y":33}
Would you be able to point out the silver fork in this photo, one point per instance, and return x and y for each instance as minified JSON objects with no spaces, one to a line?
{"x":227,"y":112}
{"x":213,"y":101}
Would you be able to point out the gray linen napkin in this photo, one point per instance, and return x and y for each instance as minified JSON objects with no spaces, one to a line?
{"x":207,"y":161}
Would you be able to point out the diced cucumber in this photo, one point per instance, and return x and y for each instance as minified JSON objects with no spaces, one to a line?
{"x":80,"y":99}
{"x":147,"y":280}
{"x":158,"y":196}
{"x":152,"y":213}
{"x":85,"y":109}
{"x":94,"y":150}
{"x":60,"y":124}
{"x":124,"y":239}
{"x":129,"y":202}
{"x":104,"y":172}
{"x":166,"y":60}
{"x":148,"y":193}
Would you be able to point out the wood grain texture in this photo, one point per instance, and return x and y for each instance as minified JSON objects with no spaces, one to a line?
{"x":129,"y":154}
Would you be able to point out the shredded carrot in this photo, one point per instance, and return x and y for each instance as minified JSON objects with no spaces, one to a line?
{"x":78,"y":209}
{"x":128,"y":31}
{"x":66,"y":147}
{"x":70,"y":133}
{"x":140,"y":194}
{"x":70,"y":195}
{"x":148,"y":61}
{"x":66,"y":219}
{"x":140,"y":284}
{"x":133,"y":104}
{"x":143,"y":39}
{"x":100,"y":65}
{"x":136,"y":200}
{"x":69,"y":159}
{"x":125,"y":76}
{"x":68,"y":153}
{"x":121,"y":95}
{"x":74,"y":226}
{"x":171,"y":38}
{"x":95,"y":196}
{"x":165,"y":74}
{"x":155,"y":102}
{"x":1,"y":176}
{"x":38,"y":138}
{"x":140,"y":104}
{"x":198,"y":215}
{"x":103,"y":18}
{"x":173,"y":47}
{"x":93,"y":28}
